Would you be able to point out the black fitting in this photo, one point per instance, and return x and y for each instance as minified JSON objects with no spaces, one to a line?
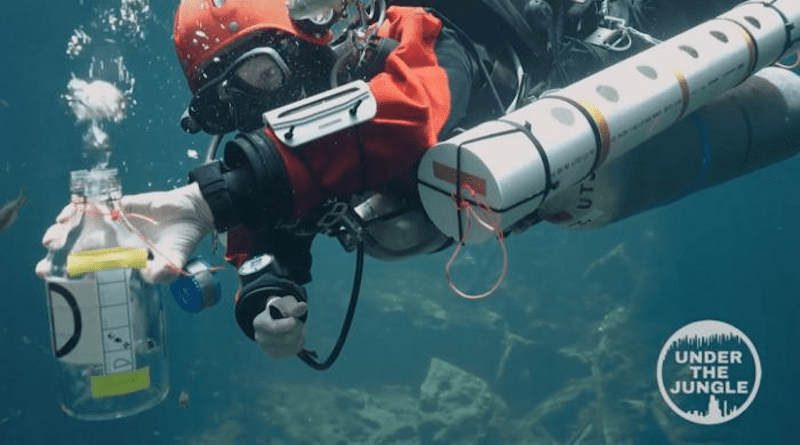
{"x":267,"y":199}
{"x":253,"y":299}
{"x":212,"y":179}
{"x":188,"y":124}
{"x":249,"y":186}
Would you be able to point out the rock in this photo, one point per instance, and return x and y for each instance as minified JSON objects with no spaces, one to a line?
{"x":456,"y":407}
{"x":329,"y":415}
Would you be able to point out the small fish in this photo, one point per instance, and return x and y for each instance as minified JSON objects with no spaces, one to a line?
{"x":183,"y":399}
{"x":303,"y":9}
{"x":9,"y":212}
{"x":3,"y":103}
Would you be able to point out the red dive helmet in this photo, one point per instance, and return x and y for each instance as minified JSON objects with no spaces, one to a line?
{"x":206,"y":28}
{"x":244,"y":57}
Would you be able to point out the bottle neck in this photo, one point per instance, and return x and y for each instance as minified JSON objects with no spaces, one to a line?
{"x":96,"y":186}
{"x":101,"y":199}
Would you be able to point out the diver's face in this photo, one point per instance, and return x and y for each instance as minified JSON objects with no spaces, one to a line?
{"x":235,"y":99}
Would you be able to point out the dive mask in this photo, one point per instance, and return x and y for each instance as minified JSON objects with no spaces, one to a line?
{"x":257,"y":81}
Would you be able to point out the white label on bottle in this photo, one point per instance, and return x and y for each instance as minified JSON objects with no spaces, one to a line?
{"x":75,"y":320}
{"x":117,"y":320}
{"x":92,"y":321}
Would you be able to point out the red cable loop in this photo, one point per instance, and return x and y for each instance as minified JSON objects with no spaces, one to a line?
{"x":490,"y":221}
{"x":118,"y":214}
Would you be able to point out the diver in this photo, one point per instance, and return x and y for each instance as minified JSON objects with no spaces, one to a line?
{"x":333,"y":103}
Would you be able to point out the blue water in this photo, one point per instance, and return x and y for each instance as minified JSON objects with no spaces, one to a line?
{"x":729,"y":253}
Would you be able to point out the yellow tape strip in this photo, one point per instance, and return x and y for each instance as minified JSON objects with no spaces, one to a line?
{"x":602,"y":126}
{"x":751,"y":46}
{"x":120,"y":383}
{"x":106,"y":259}
{"x":686,"y":94}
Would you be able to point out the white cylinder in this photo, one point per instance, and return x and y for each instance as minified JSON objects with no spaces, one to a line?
{"x":511,"y":165}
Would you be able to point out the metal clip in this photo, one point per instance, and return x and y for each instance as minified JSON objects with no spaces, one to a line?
{"x":322,"y":114}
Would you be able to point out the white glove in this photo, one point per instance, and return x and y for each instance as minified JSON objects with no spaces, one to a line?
{"x":278,"y":328}
{"x":182,"y":218}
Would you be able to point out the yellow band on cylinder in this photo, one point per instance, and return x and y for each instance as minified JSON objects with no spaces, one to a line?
{"x":106,"y":259}
{"x":601,"y":124}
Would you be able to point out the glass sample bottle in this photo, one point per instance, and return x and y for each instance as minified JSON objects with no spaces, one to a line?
{"x":107,"y":323}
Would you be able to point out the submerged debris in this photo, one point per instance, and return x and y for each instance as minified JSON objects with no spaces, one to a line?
{"x":430,"y":304}
{"x":618,"y":252}
{"x":183,"y":399}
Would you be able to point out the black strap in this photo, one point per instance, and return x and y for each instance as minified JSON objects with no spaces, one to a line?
{"x":216,"y":193}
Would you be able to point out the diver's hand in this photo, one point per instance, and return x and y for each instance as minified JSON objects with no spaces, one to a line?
{"x":174,"y":221}
{"x":183,"y":218}
{"x":278,"y":329}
